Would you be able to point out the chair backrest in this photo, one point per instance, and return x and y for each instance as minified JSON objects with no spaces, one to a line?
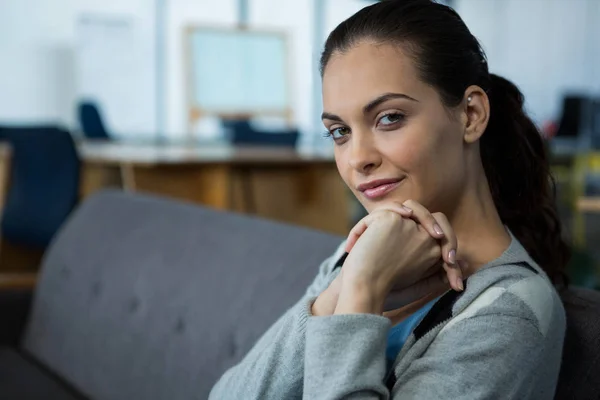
{"x":90,"y":121}
{"x":580,"y":368}
{"x":242,"y":133}
{"x":595,"y":112}
{"x":43,"y":186}
{"x":145,"y":298}
{"x":575,"y":119}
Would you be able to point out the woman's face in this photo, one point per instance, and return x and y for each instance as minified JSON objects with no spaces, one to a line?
{"x":394,"y":140}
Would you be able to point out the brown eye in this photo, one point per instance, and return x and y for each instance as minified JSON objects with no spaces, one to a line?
{"x":339,"y":132}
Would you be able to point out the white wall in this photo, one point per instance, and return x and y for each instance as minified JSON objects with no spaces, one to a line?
{"x":338,"y":10}
{"x":43,"y":83}
{"x":35,"y":43}
{"x":115,"y":63}
{"x":38,"y":75}
{"x":546,"y":47}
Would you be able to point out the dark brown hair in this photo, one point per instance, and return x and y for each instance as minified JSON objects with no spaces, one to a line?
{"x":450,"y":58}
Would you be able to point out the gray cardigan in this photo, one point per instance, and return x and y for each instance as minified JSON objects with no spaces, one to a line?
{"x":500,"y":339}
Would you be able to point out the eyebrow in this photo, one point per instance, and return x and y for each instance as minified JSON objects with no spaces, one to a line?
{"x":383,"y":98}
{"x":372,"y":104}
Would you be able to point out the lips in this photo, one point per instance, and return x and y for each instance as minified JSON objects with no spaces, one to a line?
{"x":378,"y":188}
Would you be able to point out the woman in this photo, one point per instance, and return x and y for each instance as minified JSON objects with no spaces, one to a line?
{"x":442,"y":155}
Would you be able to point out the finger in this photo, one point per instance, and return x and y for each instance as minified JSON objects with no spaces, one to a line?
{"x":423,"y":217}
{"x":355,"y":233}
{"x":452,"y":273}
{"x":434,"y":224}
{"x":449,"y":242}
{"x":454,"y":276}
{"x":395,"y":207}
{"x":363,"y":224}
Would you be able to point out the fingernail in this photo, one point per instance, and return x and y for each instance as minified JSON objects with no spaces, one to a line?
{"x":459,"y":284}
{"x":437,"y":229}
{"x":407,"y":209}
{"x":452,"y":256}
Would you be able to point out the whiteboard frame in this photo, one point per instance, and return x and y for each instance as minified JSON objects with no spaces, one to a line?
{"x":195,"y":112}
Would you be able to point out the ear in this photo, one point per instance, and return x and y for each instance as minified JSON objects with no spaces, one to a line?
{"x":476,"y":113}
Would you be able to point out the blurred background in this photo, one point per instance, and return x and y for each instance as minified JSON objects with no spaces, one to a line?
{"x":218,"y":103}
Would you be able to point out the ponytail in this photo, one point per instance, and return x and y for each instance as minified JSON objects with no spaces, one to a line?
{"x":518,"y":173}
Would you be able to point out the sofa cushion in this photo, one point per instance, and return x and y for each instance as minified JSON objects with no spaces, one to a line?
{"x":146,"y":298}
{"x":23,"y":379}
{"x":14,"y":308}
{"x":580,"y":370}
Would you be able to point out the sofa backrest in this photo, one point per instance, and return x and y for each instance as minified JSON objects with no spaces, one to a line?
{"x":147,"y":298}
{"x":580,"y":370}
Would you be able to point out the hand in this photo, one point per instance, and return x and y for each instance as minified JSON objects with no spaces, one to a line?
{"x":399,"y":303}
{"x":388,"y":250}
{"x":436,"y":224}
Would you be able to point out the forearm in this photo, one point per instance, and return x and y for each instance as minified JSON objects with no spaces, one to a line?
{"x":345,"y":357}
{"x":273,"y":369}
{"x":358,"y":298}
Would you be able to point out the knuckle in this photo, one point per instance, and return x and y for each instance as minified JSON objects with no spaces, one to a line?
{"x":408,"y":203}
{"x":384,"y":212}
{"x":393,"y":217}
{"x":440,"y":216}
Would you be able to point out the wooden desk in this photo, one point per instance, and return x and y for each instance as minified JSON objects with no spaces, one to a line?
{"x":5,"y":168}
{"x":302,"y":188}
{"x":24,"y":280}
{"x":589,"y":204}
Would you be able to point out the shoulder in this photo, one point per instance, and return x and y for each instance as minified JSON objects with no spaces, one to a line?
{"x":513,"y":290}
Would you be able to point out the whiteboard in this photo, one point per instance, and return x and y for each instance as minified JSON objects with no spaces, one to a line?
{"x":238,"y":71}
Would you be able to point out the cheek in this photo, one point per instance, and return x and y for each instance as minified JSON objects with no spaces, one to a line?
{"x":427,"y":155}
{"x":407,"y":150}
{"x":342,"y":164}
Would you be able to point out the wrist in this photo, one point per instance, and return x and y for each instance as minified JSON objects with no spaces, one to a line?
{"x":324,"y":304}
{"x":360,"y":298}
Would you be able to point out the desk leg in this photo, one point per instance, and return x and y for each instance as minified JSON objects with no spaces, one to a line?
{"x":127,"y":177}
{"x":95,"y":177}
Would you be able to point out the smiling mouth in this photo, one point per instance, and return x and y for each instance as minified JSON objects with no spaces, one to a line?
{"x":382,"y":190}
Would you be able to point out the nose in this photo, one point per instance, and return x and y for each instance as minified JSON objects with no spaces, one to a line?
{"x":364,"y":156}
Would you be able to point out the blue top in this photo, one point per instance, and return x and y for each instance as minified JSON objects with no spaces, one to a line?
{"x":400,"y":332}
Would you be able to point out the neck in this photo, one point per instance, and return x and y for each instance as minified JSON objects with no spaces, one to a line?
{"x":481,"y":234}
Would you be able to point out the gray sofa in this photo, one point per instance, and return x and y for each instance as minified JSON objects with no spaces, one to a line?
{"x":145,"y":298}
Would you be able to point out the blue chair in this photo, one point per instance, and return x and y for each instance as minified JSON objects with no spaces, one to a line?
{"x":243,"y":134}
{"x":91,"y":123}
{"x":595,"y":123}
{"x":44,"y":184}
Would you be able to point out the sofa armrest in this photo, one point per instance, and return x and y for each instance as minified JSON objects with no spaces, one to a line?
{"x":16,"y":294}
